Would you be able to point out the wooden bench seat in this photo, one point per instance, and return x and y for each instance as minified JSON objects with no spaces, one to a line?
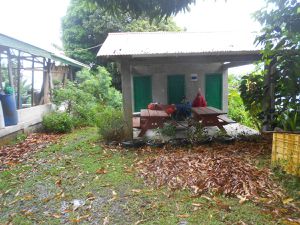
{"x":136,"y":122}
{"x":226,"y":119}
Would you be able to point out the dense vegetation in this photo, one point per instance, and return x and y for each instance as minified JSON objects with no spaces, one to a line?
{"x":236,"y":108}
{"x":85,"y":27}
{"x":137,"y":8}
{"x":83,"y":101}
{"x":280,"y":38}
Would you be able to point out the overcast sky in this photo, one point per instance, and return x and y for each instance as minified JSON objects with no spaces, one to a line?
{"x":38,"y":21}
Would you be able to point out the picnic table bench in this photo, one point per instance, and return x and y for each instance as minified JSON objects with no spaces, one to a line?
{"x":210,"y":116}
{"x":151,"y":119}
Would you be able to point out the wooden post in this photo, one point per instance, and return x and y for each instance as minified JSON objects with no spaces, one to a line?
{"x":269,"y":97}
{"x":32,"y":82}
{"x":47,"y":83}
{"x":41,"y":98}
{"x":272,"y":93}
{"x":9,"y":68}
{"x":127,"y":97}
{"x":51,"y":78}
{"x":19,"y":103}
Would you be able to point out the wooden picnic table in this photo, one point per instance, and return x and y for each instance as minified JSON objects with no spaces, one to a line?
{"x":151,"y":119}
{"x":210,"y":116}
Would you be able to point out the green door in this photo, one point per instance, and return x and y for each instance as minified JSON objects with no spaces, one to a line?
{"x":142,"y":92}
{"x":213,"y":90}
{"x":176,"y":89}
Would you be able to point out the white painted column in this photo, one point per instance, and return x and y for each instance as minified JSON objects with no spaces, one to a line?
{"x":225,"y":90}
{"x":127,"y":96}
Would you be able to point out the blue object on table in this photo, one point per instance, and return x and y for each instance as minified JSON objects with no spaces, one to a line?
{"x":9,"y":109}
{"x":183,"y":111}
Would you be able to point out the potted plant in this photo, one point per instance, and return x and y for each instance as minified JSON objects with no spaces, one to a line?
{"x":9,"y":106}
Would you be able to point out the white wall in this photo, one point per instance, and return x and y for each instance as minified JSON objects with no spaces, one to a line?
{"x":160,"y":73}
{"x":27,"y":118}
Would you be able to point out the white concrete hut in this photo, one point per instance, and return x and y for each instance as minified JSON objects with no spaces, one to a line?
{"x":164,"y":67}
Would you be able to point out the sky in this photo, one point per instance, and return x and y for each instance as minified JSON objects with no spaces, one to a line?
{"x":38,"y":21}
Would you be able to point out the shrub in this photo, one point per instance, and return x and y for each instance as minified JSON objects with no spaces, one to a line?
{"x":168,"y":130}
{"x":196,"y":132}
{"x":81,"y":106}
{"x":111,"y":124}
{"x":57,"y":122}
{"x":99,"y":85}
{"x":85,"y":115}
{"x":70,"y":97}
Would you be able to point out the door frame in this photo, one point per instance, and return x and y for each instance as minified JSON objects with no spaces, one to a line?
{"x":222,"y":88}
{"x":184,"y":87}
{"x":140,"y":76}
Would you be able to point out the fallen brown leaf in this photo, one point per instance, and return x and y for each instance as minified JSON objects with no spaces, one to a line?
{"x":183,"y":216}
{"x":101,"y":171}
{"x":12,"y":154}
{"x":139,"y":222}
{"x":221,"y":172}
{"x":57,"y":216}
{"x":58,"y":183}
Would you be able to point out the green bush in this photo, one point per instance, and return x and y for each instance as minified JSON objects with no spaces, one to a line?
{"x":99,"y":85}
{"x":168,"y":130}
{"x":236,"y":108}
{"x":85,"y":115}
{"x":57,"y":122}
{"x":82,"y":100}
{"x":111,"y":124}
{"x":81,"y":106}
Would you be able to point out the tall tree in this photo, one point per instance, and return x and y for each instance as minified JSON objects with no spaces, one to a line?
{"x":85,"y":27}
{"x":152,"y":9}
{"x":280,"y":38}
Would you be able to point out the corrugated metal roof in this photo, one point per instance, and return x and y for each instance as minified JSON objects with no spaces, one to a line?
{"x":142,"y":44}
{"x":69,"y":61}
{"x":34,"y":50}
{"x":23,"y":46}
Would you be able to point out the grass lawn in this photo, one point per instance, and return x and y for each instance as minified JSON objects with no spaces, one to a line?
{"x":78,"y":181}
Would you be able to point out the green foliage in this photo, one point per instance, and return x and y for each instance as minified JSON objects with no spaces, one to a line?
{"x":290,"y":120}
{"x":280,"y":38}
{"x":99,"y":85}
{"x":81,"y":106}
{"x":251,"y":89}
{"x":86,"y":25}
{"x":139,"y":8}
{"x":57,"y":122}
{"x":71,"y":96}
{"x":236,"y":108}
{"x":168,"y":130}
{"x":197,"y":132}
{"x":83,"y":100}
{"x":111,"y":124}
{"x":143,"y":25}
{"x":291,"y":183}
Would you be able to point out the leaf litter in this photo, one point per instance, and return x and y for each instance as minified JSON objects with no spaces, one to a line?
{"x":227,"y":170}
{"x":210,"y":171}
{"x":13,"y":154}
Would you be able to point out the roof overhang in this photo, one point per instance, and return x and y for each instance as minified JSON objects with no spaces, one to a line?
{"x":9,"y":42}
{"x":232,"y":58}
{"x":178,"y":47}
